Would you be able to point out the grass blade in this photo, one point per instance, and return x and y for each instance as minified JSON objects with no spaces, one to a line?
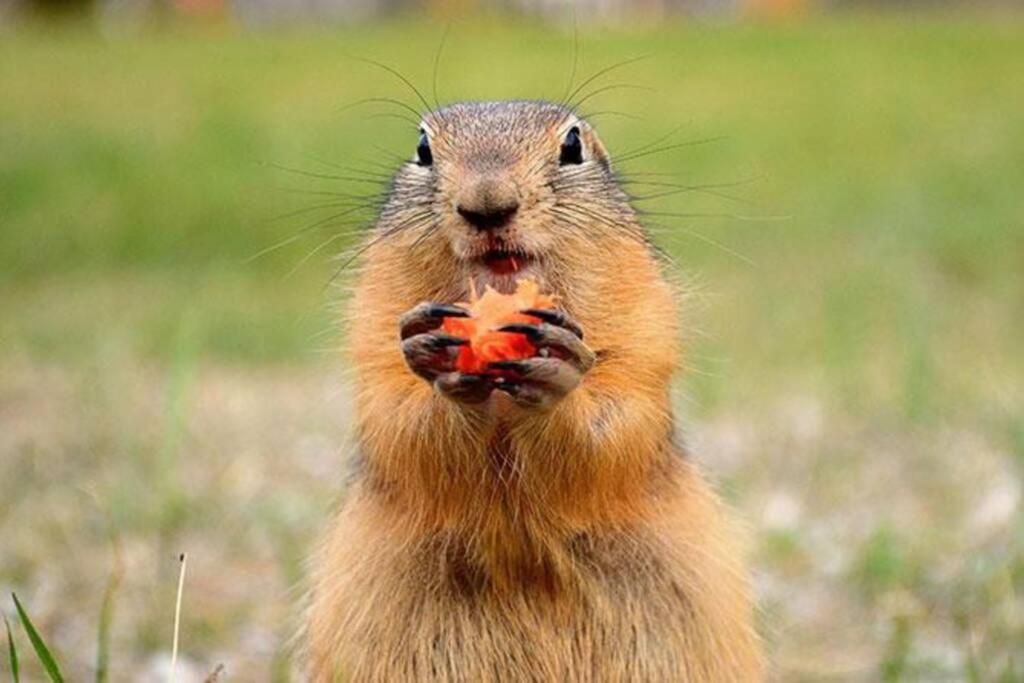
{"x":183,"y":558}
{"x":43,"y":652}
{"x":12,"y":652}
{"x":106,"y":619}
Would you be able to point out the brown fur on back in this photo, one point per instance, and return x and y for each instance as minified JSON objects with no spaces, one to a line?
{"x":496,"y":542}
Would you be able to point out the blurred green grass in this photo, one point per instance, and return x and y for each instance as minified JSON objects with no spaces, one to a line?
{"x":854,"y":332}
{"x":139,"y":175}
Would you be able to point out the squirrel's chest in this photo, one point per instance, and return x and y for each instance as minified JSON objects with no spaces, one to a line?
{"x":459,"y":626}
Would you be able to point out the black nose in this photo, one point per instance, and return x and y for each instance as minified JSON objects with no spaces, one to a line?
{"x":488,"y":201}
{"x":488,"y":217}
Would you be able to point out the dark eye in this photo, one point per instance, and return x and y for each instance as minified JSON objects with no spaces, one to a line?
{"x":424,"y":157}
{"x":572,"y":148}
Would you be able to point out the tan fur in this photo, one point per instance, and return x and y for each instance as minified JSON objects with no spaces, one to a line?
{"x":496,"y":542}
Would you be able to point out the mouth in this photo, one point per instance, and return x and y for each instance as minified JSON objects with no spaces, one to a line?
{"x":505,"y":260}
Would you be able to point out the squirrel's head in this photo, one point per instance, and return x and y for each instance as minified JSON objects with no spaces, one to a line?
{"x":510,"y":189}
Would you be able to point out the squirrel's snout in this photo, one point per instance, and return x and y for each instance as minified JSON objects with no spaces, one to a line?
{"x":488,"y":204}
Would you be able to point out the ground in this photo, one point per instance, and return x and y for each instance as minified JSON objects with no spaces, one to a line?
{"x":855,"y":247}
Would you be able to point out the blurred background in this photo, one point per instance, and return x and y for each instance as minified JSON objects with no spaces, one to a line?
{"x":841,"y":182}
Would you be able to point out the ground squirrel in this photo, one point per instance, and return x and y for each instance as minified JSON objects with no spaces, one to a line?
{"x":546,"y":526}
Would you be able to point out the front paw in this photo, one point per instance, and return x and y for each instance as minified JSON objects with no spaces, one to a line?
{"x":561,"y":361}
{"x":431,"y":354}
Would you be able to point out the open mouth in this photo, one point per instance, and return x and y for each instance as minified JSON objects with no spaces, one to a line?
{"x":505,"y":260}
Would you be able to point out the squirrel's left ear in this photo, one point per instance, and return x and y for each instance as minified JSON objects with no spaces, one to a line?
{"x":594,"y":145}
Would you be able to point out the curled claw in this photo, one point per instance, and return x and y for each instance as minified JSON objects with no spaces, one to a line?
{"x":431,"y":354}
{"x":446,"y":311}
{"x":532,"y":332}
{"x":559,"y":342}
{"x":561,"y":361}
{"x":554,"y":317}
{"x":465,"y":388}
{"x":518,"y":367}
{"x":536,"y":382}
{"x":443,"y":341}
{"x":427,"y":316}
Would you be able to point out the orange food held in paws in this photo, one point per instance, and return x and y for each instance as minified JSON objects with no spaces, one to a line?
{"x":487,"y":314}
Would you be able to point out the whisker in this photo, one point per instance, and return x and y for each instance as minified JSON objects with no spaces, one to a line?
{"x":672,"y":229}
{"x":611,"y":112}
{"x":393,"y":115}
{"x":608,"y":88}
{"x":578,"y":212}
{"x":575,"y":56}
{"x":384,"y":176}
{"x":430,"y":230}
{"x":336,"y":220}
{"x":415,"y":221}
{"x":710,"y":189}
{"x":628,"y":176}
{"x":599,"y":74}
{"x":731,"y":216}
{"x":382,"y":100}
{"x":274,"y":247}
{"x":324,"y":176}
{"x":658,"y":140}
{"x":300,"y":234}
{"x":332,"y":193}
{"x":399,"y":159}
{"x":320,"y":207}
{"x":629,"y":179}
{"x":437,"y":61}
{"x":314,"y":252}
{"x":664,"y":254}
{"x":668,"y":148}
{"x":398,"y":75}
